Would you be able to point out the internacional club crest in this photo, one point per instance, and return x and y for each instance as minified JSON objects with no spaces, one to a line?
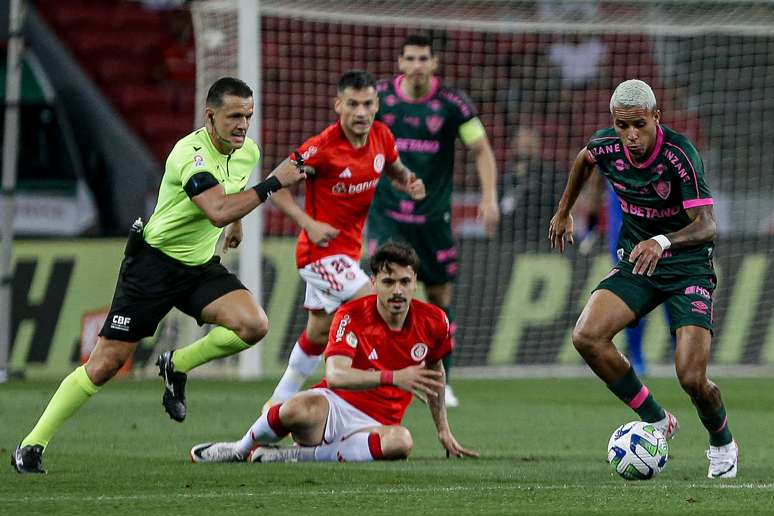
{"x":419,"y":351}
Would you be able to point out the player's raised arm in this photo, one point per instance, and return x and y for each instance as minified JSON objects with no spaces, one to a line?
{"x":416,"y":379}
{"x":560,"y":228}
{"x":406,"y":181}
{"x":488,"y":209}
{"x":437,"y":407}
{"x":222,"y":209}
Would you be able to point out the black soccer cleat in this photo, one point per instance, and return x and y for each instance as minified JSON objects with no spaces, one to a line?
{"x":28,"y":459}
{"x":174,"y":387}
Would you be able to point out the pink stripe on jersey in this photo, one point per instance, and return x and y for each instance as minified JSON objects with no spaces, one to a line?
{"x":693,"y":170}
{"x":405,"y":98}
{"x":693,"y":203}
{"x":640,"y":398}
{"x":654,"y":152}
{"x":721,"y":427}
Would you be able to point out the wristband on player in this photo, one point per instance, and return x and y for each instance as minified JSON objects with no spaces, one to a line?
{"x":264,"y":189}
{"x":663,"y":241}
{"x":385,"y":378}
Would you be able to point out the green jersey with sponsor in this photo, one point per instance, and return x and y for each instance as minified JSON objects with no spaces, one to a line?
{"x":425,"y":131}
{"x":178,"y":227}
{"x":655,"y":194}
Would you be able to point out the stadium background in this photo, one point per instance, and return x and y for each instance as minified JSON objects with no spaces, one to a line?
{"x":544,"y":69}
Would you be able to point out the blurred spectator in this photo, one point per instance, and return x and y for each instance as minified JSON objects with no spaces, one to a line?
{"x":578,"y":58}
{"x":177,"y":71}
{"x":530,"y":189}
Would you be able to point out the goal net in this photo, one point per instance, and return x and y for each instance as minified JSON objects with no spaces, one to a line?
{"x":540,"y":75}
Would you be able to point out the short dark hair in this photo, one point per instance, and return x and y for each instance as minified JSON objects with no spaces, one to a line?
{"x":416,"y":40}
{"x":357,"y":80}
{"x":394,"y":253}
{"x":227,"y":86}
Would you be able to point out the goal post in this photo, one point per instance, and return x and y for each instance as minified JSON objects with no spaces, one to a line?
{"x":540,"y":74}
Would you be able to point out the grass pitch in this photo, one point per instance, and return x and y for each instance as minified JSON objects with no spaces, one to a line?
{"x":543,"y":445}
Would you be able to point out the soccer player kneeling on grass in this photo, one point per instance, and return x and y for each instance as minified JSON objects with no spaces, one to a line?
{"x":665,"y":252}
{"x":381,"y":349}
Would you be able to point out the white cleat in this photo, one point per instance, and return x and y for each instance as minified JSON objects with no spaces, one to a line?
{"x":669,"y":426}
{"x":723,"y":460}
{"x":274,"y":453}
{"x":216,"y":452}
{"x":450,"y":398}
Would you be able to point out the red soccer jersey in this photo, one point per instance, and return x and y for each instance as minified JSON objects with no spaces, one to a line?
{"x":341,"y":190}
{"x":359,"y":332}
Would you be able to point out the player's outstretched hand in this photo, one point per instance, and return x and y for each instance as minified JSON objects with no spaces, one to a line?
{"x":419,"y":380}
{"x":233,"y":236}
{"x":645,"y":256}
{"x":453,"y":448}
{"x":560,"y":231}
{"x":320,"y":233}
{"x":289,"y":173}
{"x":411,"y":185}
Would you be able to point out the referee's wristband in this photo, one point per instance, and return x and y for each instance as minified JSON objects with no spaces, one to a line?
{"x":663,"y":241}
{"x":265,"y":188}
{"x":385,"y":378}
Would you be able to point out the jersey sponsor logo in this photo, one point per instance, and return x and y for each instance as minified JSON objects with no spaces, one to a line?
{"x":434,"y":123}
{"x":414,"y":145}
{"x":620,"y":165}
{"x":198,"y":160}
{"x":611,"y":148}
{"x":391,"y":100}
{"x":379,"y":163}
{"x":675,"y":160}
{"x":120,"y":322}
{"x":388,"y":119}
{"x":660,"y":168}
{"x":419,"y":351}
{"x":663,"y":189}
{"x":696,"y":289}
{"x":647,"y":212}
{"x":351,"y":340}
{"x":342,"y":327}
{"x":342,"y":188}
{"x":435,"y":105}
{"x":346,"y":173}
{"x":373,"y":355}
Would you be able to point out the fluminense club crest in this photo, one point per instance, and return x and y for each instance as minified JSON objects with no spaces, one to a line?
{"x":662,"y":188}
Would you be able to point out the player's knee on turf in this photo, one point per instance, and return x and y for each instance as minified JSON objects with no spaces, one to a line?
{"x":397,"y":443}
{"x":303,"y":410}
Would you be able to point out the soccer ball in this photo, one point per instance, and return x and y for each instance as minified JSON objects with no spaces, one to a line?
{"x":637,"y":451}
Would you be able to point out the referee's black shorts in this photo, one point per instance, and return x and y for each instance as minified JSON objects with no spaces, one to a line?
{"x":150,"y":283}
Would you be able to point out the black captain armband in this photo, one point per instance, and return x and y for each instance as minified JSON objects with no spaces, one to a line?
{"x":265,"y":188}
{"x":199,"y":183}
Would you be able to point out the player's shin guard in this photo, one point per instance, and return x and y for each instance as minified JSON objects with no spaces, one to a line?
{"x":267,"y":429}
{"x":220,"y":342}
{"x":360,"y":447}
{"x":717,"y":426}
{"x":72,"y":393}
{"x":304,"y":358}
{"x":631,"y":391}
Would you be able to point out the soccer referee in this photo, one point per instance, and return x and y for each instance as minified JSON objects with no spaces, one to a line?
{"x":172,"y":263}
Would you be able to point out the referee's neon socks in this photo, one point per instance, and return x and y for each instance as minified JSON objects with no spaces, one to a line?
{"x":220,"y":342}
{"x":73,"y":392}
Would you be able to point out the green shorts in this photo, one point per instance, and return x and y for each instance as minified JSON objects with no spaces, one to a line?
{"x":688,"y":298}
{"x":431,"y":240}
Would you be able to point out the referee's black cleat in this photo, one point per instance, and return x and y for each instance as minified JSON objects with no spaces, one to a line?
{"x":28,"y":459}
{"x":174,"y":387}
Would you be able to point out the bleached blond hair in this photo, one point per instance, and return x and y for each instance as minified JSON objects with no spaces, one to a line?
{"x":633,"y":93}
